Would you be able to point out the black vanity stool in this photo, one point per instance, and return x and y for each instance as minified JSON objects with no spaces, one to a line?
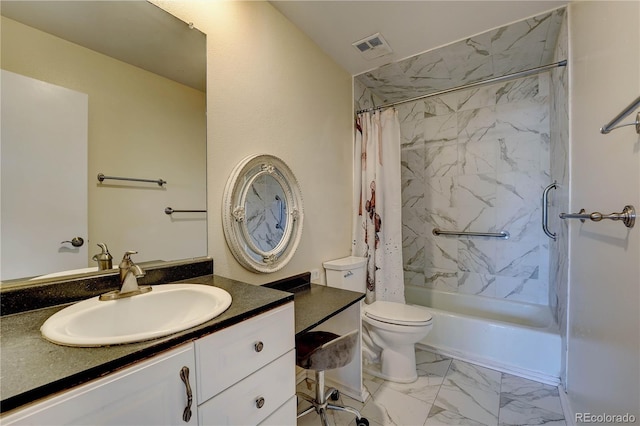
{"x":320,"y":351}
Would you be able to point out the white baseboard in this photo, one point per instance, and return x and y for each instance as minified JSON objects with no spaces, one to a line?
{"x":569,"y":415}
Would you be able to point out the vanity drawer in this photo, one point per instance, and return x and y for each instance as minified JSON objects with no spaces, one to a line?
{"x":230,"y":355}
{"x":255,"y":398}
{"x":283,"y":416}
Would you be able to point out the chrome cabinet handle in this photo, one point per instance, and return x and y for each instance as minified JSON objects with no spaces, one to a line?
{"x":545,"y":210}
{"x":260,"y":402}
{"x":184,"y":375}
{"x":259,"y":346}
{"x":75,"y":241}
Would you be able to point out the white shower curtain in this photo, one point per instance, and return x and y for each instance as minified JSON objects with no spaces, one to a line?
{"x":377,"y":227}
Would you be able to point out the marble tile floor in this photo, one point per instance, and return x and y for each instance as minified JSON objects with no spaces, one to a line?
{"x":449,"y":392}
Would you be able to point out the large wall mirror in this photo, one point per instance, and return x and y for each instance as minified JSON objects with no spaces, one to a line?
{"x":262,"y":213}
{"x":133,"y":78}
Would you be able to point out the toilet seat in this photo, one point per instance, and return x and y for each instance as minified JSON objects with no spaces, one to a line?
{"x":398,"y":313}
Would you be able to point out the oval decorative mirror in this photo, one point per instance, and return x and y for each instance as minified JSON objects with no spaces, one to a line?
{"x":262,"y":213}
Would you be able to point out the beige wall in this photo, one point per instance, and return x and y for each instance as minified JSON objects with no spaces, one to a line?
{"x":140,"y":125}
{"x":271,"y":90}
{"x":604,"y":290}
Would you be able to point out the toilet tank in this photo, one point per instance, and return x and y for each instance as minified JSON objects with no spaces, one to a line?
{"x":348,"y":273}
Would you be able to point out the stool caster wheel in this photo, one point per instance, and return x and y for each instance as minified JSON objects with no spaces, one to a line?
{"x":335,"y":395}
{"x":362,"y":422}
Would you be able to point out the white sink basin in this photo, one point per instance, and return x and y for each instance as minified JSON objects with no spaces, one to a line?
{"x":165,"y":310}
{"x":69,"y":272}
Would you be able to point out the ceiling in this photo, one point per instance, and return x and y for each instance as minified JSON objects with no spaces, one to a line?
{"x":409,"y":27}
{"x":135,"y":32}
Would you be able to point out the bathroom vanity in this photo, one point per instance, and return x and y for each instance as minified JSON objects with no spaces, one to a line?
{"x":239,"y":366}
{"x":240,"y":375}
{"x":241,"y":369}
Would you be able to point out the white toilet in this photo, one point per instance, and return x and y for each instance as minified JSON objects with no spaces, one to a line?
{"x":394,"y":327}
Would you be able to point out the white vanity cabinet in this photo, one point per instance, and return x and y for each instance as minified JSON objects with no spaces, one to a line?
{"x":246,"y":373}
{"x":243,"y":375}
{"x":150,"y":392}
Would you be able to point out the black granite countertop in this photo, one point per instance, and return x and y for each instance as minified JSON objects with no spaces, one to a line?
{"x":32,"y":367}
{"x":318,"y":303}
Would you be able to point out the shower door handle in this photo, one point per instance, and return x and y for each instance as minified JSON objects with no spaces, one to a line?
{"x":545,"y":210}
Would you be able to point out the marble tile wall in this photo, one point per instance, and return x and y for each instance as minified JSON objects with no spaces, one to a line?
{"x":559,"y":200}
{"x":266,"y":213}
{"x":518,"y":46}
{"x":363,"y":98}
{"x":477,"y":160}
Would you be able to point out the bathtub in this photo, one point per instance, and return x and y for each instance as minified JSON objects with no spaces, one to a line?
{"x":513,"y":337}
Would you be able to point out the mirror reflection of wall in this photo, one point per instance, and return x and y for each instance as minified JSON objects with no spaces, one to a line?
{"x":140,"y":125}
{"x":266,"y":212}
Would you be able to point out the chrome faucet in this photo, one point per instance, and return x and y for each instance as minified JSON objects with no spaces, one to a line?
{"x":129,"y":274}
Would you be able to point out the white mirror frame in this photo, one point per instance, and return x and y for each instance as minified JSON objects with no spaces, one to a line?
{"x":234,"y":223}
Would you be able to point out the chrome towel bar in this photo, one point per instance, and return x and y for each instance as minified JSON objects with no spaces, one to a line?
{"x":502,"y":234}
{"x":628,"y":110}
{"x":102,"y":177}
{"x":169,"y":210}
{"x":627,"y":216}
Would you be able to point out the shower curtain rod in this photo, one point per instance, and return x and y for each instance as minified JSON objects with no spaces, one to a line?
{"x":506,"y":77}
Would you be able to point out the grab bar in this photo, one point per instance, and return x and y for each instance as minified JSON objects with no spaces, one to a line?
{"x":627,"y":216}
{"x":628,"y":110}
{"x":502,"y":234}
{"x":280,"y":213}
{"x":169,"y":210}
{"x":545,"y":210}
{"x":102,"y":177}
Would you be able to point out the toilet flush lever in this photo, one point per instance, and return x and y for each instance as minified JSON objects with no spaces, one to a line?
{"x":348,"y":274}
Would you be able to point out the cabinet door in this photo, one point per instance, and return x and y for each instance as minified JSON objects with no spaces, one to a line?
{"x":148,"y":393}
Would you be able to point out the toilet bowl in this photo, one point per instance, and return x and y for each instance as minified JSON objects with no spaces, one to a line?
{"x":395,"y":328}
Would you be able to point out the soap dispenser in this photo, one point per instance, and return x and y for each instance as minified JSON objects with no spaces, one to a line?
{"x":104,"y":259}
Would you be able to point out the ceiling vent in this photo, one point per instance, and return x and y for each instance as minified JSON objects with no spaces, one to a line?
{"x":373,"y":46}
